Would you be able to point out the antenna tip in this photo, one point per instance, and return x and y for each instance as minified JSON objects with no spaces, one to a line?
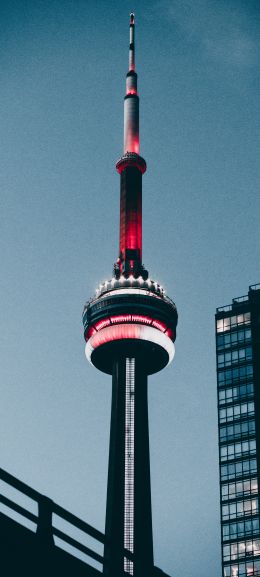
{"x":132,"y":18}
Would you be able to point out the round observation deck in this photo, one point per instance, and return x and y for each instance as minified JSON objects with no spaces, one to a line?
{"x":130,"y":317}
{"x":131,"y":159}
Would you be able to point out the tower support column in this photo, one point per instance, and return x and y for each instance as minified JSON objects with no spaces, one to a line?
{"x":113,"y":553}
{"x":143,"y":534}
{"x":128,"y":515}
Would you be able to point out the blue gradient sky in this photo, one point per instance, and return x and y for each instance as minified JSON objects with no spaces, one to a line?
{"x":63,"y":66}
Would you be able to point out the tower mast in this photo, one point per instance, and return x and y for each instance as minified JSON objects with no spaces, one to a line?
{"x":131,"y":167}
{"x":129,"y":328}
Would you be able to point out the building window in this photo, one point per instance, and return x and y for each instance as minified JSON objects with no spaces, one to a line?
{"x":235,"y":374}
{"x":231,"y":322}
{"x":234,"y":338}
{"x":236,"y":412}
{"x":242,"y":429}
{"x":236,"y":450}
{"x":240,"y":509}
{"x":241,"y":549}
{"x":240,"y":469}
{"x":240,"y":529}
{"x":235,"y":356}
{"x":239,"y":489}
{"x":234,"y":393}
{"x":247,"y":569}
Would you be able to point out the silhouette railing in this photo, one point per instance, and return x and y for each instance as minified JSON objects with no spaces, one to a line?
{"x":45,"y":529}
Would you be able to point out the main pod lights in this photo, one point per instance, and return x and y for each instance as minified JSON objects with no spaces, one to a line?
{"x":126,"y":319}
{"x":133,"y":331}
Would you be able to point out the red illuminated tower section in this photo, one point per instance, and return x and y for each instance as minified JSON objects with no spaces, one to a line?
{"x":129,"y":328}
{"x":131,"y":168}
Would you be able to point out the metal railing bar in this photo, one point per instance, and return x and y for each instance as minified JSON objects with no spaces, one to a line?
{"x":61,"y":512}
{"x":78,"y":523}
{"x":77,"y":545}
{"x":255,"y":286}
{"x":18,"y":509}
{"x":19,"y":485}
{"x":36,"y":496}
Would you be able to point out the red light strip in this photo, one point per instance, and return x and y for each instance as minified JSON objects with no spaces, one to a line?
{"x":101,"y":324}
{"x":170,"y":333}
{"x":129,"y":331}
{"x":90,"y":332}
{"x":158,"y":325}
{"x":116,"y":332}
{"x":122,"y":319}
{"x":142,"y":319}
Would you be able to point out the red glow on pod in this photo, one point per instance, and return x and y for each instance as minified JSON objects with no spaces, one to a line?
{"x":90,"y":332}
{"x":125,"y":320}
{"x":121,"y":319}
{"x":158,"y":325}
{"x":101,"y":324}
{"x":170,"y":333}
{"x":141,"y":319}
{"x":129,"y":331}
{"x":132,"y":91}
{"x":118,"y":332}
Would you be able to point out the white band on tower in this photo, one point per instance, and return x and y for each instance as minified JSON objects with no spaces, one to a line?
{"x":129,"y":462}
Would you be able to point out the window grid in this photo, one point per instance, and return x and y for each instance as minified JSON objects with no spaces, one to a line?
{"x":241,"y":549}
{"x":235,"y":412}
{"x":226,"y":359}
{"x":227,"y":324}
{"x":240,"y":469}
{"x":237,"y":450}
{"x":242,"y":569}
{"x":237,"y":430}
{"x":239,"y":489}
{"x":230,"y":376}
{"x":241,"y":429}
{"x":232,"y":394}
{"x":233,"y":339}
{"x":240,"y":509}
{"x":240,"y":529}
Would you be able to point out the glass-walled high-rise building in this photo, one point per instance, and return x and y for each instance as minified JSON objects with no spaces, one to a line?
{"x":238,"y":375}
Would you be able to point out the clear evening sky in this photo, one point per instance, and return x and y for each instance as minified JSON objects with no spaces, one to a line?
{"x":62,"y":82}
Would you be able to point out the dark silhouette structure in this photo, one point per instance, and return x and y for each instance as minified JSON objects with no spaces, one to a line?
{"x":34,"y":543}
{"x":130,"y":328}
{"x":238,"y":372}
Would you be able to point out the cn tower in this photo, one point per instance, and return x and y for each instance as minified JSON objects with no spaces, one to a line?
{"x":129,"y":329}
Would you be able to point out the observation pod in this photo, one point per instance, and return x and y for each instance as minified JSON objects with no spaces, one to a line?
{"x":132,"y":318}
{"x":129,"y":329}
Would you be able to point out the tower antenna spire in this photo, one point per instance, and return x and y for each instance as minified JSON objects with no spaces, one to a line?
{"x":132,"y":42}
{"x":131,"y":105}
